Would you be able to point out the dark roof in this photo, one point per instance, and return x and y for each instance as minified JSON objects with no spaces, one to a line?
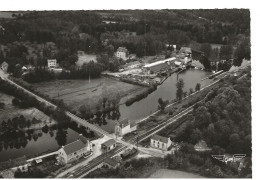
{"x":122,"y":49}
{"x":74,"y":146}
{"x":111,"y":162}
{"x":160,"y":138}
{"x":109,"y":142}
{"x":83,"y":139}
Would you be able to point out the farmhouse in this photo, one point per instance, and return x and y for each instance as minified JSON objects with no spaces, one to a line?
{"x":108,"y":145}
{"x":74,"y":150}
{"x":159,"y":66}
{"x":4,"y":66}
{"x":52,"y":63}
{"x":111,"y":163}
{"x":160,"y":142}
{"x":124,"y":127}
{"x":122,"y":53}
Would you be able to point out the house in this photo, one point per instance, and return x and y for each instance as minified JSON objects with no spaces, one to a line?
{"x":52,"y":63}
{"x":111,"y":163}
{"x":74,"y":150}
{"x":122,"y":53}
{"x":186,"y":51}
{"x":4,"y":66}
{"x":159,"y":66}
{"x":160,"y":142}
{"x":108,"y":145}
{"x":125,"y":127}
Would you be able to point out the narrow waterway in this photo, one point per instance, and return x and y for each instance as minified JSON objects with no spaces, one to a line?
{"x":138,"y":110}
{"x":167,"y":91}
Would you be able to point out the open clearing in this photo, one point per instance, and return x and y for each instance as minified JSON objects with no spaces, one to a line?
{"x":10,"y":111}
{"x":76,"y":93}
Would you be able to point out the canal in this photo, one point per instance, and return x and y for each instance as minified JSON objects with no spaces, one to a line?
{"x":166,"y":91}
{"x":138,"y":110}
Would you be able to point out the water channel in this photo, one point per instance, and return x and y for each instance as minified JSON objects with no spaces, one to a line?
{"x":137,"y":110}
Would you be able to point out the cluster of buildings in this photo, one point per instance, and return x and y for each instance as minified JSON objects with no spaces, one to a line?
{"x":180,"y":61}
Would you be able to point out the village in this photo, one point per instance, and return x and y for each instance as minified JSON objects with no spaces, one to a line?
{"x":129,"y":94}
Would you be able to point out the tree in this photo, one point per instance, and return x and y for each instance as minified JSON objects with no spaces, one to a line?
{"x":226,"y":52}
{"x":191,"y":91}
{"x":242,"y":51}
{"x":179,"y":93}
{"x":206,"y":48}
{"x":197,"y":88}
{"x":45,"y":129}
{"x":162,"y":104}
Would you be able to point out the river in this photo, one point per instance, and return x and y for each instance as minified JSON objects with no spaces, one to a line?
{"x":137,"y":110}
{"x":166,"y":91}
{"x":40,"y":145}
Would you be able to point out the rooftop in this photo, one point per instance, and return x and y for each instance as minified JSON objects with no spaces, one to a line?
{"x":159,"y":62}
{"x":109,"y":142}
{"x":122,"y":49}
{"x":74,"y":146}
{"x":111,"y":162}
{"x":185,"y":50}
{"x":160,"y":138}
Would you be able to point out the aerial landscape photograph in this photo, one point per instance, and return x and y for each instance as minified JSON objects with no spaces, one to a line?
{"x":125,"y":93}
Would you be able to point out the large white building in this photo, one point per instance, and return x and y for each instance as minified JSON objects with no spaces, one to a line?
{"x":122,"y":53}
{"x":124,"y":127}
{"x":75,"y":150}
{"x":52,"y":63}
{"x":159,"y":66}
{"x":160,"y":142}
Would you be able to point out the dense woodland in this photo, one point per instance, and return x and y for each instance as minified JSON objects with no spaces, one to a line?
{"x":33,"y":37}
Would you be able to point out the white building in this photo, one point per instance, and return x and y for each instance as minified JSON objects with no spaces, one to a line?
{"x":74,"y":150}
{"x":122,"y":53}
{"x":108,"y":145}
{"x":160,"y":142}
{"x":52,"y":63}
{"x":124,"y":127}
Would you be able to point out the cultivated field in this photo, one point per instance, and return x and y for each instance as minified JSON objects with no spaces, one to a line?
{"x":76,"y":93}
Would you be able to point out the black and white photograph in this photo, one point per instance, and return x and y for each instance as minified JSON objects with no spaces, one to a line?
{"x":122,"y":92}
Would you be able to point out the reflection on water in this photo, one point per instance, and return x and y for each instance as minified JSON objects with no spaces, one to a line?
{"x":33,"y":143}
{"x":167,"y":91}
{"x":16,"y":144}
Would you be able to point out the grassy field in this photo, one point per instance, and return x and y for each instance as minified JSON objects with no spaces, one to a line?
{"x":76,"y":93}
{"x":10,"y":111}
